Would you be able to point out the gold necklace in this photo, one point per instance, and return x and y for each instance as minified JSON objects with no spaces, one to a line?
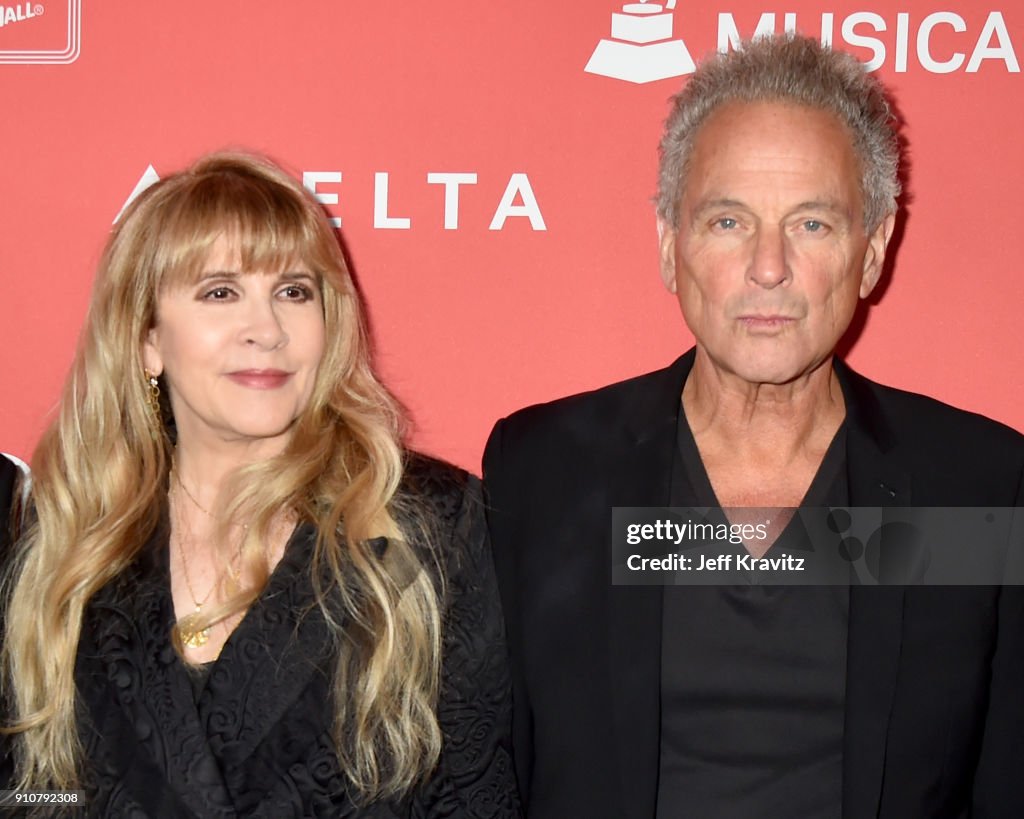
{"x":191,"y":636}
{"x":203,"y":509}
{"x":181,"y":483}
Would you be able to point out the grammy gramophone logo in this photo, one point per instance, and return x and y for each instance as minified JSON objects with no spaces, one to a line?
{"x":641,"y":48}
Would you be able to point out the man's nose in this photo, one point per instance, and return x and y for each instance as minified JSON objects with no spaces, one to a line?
{"x":769,"y":265}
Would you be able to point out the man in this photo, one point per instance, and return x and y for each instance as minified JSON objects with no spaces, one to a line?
{"x":10,"y":481}
{"x":777,"y":200}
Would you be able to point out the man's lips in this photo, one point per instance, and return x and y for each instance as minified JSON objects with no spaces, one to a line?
{"x":260,"y":379}
{"x":765,"y":322}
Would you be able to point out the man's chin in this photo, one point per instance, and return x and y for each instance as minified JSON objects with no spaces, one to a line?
{"x":770,"y":370}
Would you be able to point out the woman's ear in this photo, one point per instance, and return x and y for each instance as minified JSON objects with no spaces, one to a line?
{"x":151,"y":358}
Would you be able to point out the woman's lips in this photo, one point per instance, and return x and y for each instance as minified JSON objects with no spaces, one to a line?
{"x":260,"y":379}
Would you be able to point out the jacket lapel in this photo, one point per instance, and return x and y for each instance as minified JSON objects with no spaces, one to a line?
{"x":268,"y":661}
{"x":876,"y":479}
{"x":174,"y":758}
{"x":143,"y":708}
{"x":641,"y":476}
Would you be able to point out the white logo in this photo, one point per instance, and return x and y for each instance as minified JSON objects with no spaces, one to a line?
{"x":22,"y":11}
{"x":518,"y":200}
{"x":64,"y":50}
{"x":912,"y":37}
{"x":149,"y":177}
{"x":641,"y":49}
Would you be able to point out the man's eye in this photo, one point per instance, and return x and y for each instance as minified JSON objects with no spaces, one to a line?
{"x":813,"y":226}
{"x":726,"y":223}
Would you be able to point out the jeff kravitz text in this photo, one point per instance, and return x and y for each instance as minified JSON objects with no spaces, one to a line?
{"x":719,"y":563}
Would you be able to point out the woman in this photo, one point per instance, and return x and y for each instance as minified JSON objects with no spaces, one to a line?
{"x":238,"y":595}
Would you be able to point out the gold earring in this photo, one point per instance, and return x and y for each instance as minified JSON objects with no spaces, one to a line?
{"x":153,"y":399}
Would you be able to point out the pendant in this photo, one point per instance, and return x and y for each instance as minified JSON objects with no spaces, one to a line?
{"x":193,"y":637}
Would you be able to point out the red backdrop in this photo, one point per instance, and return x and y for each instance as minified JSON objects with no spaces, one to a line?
{"x":561,"y":295}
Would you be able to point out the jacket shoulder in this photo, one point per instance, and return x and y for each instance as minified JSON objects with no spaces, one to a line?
{"x":920,"y":418}
{"x":956,"y":457}
{"x":426,"y":476}
{"x":11,"y":481}
{"x":443,"y":504}
{"x":591,"y":410}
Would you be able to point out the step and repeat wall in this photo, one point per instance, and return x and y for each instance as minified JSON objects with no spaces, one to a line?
{"x":491,"y":168}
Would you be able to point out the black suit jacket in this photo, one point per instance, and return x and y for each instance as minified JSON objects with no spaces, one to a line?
{"x":258,"y":741}
{"x":935,"y":676}
{"x":10,"y":480}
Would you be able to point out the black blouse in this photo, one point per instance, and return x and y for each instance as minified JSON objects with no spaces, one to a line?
{"x":256,"y":741}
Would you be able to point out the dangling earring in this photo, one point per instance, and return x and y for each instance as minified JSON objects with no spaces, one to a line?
{"x":153,"y":402}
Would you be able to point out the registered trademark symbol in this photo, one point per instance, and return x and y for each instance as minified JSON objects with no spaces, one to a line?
{"x":37,"y":9}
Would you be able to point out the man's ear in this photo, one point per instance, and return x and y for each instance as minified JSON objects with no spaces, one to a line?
{"x":874,"y":258}
{"x":667,"y":253}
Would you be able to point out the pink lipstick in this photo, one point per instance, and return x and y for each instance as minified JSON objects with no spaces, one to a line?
{"x":260,"y":379}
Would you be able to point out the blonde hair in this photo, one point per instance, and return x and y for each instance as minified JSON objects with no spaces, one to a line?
{"x":101,"y":480}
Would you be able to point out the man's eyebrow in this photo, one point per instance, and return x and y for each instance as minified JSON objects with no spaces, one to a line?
{"x":703,"y":208}
{"x":714,"y":204}
{"x":830,"y":205}
{"x":824,"y":204}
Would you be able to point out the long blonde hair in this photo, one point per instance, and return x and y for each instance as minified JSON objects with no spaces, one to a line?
{"x":101,"y":479}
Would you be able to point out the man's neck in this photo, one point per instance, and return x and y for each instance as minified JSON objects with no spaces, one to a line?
{"x":765,"y":423}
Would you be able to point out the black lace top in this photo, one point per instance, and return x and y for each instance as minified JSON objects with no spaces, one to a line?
{"x":256,"y":740}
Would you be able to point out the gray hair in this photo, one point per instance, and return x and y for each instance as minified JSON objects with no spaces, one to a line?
{"x":789,"y":69}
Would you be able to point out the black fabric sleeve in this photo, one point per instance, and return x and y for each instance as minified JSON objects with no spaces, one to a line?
{"x":476,"y":774}
{"x":997,"y":789}
{"x":10,"y":479}
{"x":503,"y":503}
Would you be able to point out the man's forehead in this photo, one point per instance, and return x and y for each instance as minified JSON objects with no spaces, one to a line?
{"x":743,"y":120}
{"x":744,"y":143}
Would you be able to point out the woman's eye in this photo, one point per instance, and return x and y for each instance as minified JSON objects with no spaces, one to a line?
{"x":296,"y":292}
{"x":218,"y":294}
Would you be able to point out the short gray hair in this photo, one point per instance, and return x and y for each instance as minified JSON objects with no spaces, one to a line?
{"x":788,"y":69}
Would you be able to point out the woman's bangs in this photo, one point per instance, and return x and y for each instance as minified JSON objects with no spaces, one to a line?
{"x":273,"y":237}
{"x":266,"y":227}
